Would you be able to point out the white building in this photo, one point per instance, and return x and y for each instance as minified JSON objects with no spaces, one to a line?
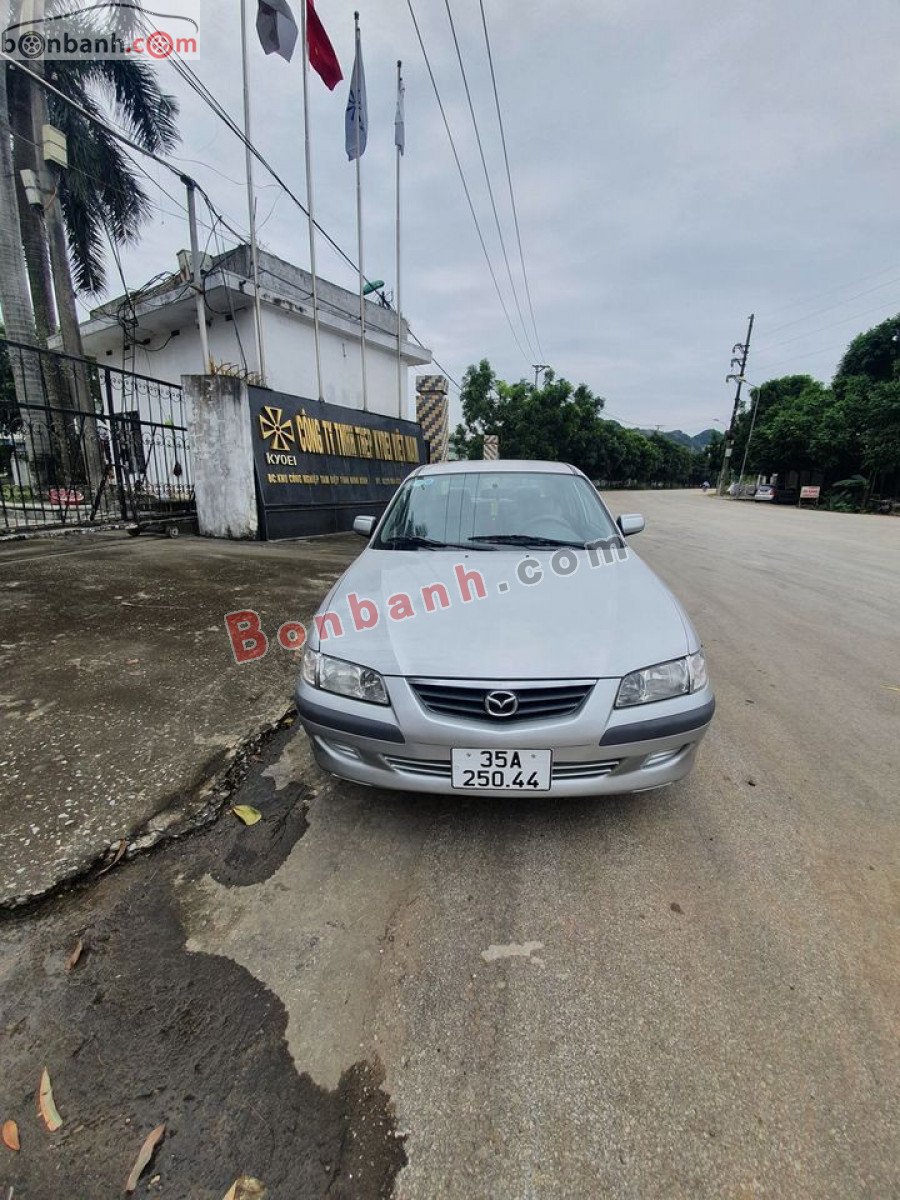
{"x":155,"y":333}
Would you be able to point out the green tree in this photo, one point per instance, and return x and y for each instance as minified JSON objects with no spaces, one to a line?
{"x":874,"y":355}
{"x":556,"y":420}
{"x":101,"y":191}
{"x":563,"y":422}
{"x":867,"y":395}
{"x":708,"y":460}
{"x":674,"y":461}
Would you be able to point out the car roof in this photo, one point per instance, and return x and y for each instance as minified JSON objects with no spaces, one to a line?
{"x":478,"y":466}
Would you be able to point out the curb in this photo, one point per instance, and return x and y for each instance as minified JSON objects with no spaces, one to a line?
{"x":189,"y":815}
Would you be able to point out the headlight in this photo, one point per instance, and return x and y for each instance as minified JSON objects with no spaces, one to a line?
{"x":679,"y":677}
{"x":343,"y":678}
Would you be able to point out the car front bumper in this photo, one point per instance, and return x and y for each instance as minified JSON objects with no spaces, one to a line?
{"x":599,"y":750}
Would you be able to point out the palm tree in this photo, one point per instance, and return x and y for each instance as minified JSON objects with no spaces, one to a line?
{"x":101,"y":193}
{"x":98,"y":197}
{"x":15,"y":301}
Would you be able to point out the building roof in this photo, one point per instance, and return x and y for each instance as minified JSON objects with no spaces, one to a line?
{"x":169,"y":304}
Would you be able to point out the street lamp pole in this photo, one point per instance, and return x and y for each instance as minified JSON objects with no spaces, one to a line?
{"x":752,"y":424}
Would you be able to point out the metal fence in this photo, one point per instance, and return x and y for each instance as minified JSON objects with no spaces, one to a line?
{"x":85,"y":444}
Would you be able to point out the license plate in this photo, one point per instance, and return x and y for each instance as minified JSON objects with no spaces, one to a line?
{"x":502,"y":770}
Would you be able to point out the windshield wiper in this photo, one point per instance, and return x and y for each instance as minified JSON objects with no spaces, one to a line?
{"x":526,"y":539}
{"x":413,"y":541}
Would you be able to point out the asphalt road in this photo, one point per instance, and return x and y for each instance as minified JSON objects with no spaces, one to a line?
{"x":703,"y":1004}
{"x":686,"y":993}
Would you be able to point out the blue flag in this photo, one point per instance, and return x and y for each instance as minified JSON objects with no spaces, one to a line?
{"x":356,"y":101}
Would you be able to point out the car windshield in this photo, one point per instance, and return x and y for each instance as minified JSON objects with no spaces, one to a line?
{"x":490,"y":509}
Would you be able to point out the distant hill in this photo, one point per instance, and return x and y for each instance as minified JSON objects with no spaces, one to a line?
{"x":696,"y":442}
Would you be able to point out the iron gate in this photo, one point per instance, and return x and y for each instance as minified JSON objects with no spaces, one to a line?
{"x":85,"y":444}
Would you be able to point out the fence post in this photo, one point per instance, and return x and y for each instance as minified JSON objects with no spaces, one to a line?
{"x":222,"y":453}
{"x":114,"y":442}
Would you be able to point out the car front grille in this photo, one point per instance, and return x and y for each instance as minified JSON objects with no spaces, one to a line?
{"x":584,"y":770}
{"x":535,"y":703}
{"x":439,"y":768}
{"x":433,"y":767}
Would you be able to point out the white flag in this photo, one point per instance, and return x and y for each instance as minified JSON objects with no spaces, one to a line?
{"x":399,"y":125}
{"x":356,"y":145}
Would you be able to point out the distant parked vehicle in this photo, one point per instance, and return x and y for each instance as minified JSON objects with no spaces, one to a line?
{"x":772,"y":494}
{"x":742,"y":491}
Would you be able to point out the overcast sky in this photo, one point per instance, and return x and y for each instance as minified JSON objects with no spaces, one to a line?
{"x":677,"y":165}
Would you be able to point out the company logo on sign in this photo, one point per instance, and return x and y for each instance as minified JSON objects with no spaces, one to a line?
{"x":272,"y":424}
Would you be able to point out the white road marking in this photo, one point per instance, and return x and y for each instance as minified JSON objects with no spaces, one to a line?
{"x":512,"y":950}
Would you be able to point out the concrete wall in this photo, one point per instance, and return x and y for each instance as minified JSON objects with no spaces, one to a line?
{"x":290,"y":358}
{"x":222,"y":450}
{"x":291,"y":363}
{"x":181,"y":355}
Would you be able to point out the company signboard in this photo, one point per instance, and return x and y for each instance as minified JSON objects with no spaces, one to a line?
{"x":319,"y":465}
{"x":809,"y":493}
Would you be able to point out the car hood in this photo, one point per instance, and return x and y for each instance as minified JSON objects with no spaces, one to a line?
{"x":601,"y":621}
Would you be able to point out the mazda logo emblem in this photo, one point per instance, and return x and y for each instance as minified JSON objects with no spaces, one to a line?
{"x":501,"y":704}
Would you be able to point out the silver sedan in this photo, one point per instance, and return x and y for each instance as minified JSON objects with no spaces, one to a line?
{"x":499,"y":635}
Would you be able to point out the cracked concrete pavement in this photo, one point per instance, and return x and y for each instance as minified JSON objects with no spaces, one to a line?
{"x":118,"y":690}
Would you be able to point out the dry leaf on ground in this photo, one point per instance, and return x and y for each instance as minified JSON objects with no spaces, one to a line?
{"x":245,"y":1188}
{"x":77,"y":951}
{"x":10,"y":1135}
{"x":247,"y":813}
{"x":117,"y":857}
{"x":46,"y":1104}
{"x":151,"y":1141}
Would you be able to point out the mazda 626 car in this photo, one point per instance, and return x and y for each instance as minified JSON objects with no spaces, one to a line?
{"x":498,"y":634}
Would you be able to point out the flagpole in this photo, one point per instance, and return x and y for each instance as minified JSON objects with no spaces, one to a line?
{"x":359,"y":226}
{"x":399,"y":307}
{"x":309,"y":195}
{"x":251,"y":202}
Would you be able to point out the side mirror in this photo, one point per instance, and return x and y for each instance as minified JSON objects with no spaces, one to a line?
{"x":630,"y":523}
{"x":364,"y":526}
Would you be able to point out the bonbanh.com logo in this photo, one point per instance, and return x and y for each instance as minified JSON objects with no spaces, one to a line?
{"x":102,"y":31}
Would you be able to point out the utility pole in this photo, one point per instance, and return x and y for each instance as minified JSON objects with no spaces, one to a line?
{"x":196,"y":271}
{"x":538,"y":367}
{"x":744,"y":349}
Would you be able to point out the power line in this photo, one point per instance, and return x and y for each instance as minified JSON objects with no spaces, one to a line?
{"x":801,"y":357}
{"x":196,"y":84}
{"x":122,"y":137}
{"x":190,"y":77}
{"x":832,"y":325}
{"x":832,"y":291}
{"x":605,"y":412}
{"x":831,"y":307}
{"x":121,"y":190}
{"x":487,"y":177}
{"x":512,"y":197}
{"x":462,"y":177}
